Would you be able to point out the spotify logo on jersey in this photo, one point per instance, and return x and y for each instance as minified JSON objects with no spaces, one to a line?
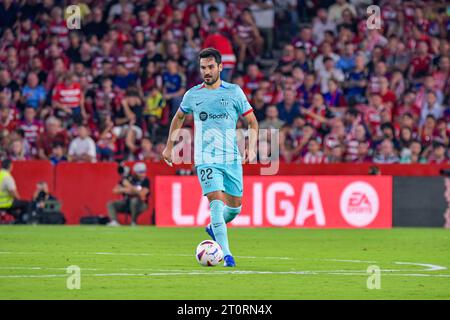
{"x":204,"y":116}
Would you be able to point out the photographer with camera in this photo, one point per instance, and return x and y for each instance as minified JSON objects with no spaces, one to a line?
{"x":45,"y":208}
{"x":135,"y":189}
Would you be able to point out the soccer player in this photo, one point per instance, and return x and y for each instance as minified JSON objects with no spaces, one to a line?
{"x":216,"y":106}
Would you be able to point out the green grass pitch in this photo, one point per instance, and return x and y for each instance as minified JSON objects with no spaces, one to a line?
{"x":159,"y":263}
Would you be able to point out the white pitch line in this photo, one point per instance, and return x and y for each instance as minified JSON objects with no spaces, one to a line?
{"x":42,"y":268}
{"x":355,"y":261}
{"x":26,"y":253}
{"x":121,"y":254}
{"x":237,"y":272}
{"x":179,"y":270}
{"x":393,"y":274}
{"x":184,"y":255}
{"x":431,"y":267}
{"x":35,"y":276}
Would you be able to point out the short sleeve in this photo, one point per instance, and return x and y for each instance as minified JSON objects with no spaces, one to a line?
{"x":72,"y":148}
{"x":187,"y":103}
{"x":92,"y":149}
{"x":9,"y":184}
{"x":243,"y":106}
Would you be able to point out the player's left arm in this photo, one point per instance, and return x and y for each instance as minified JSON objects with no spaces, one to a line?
{"x":252,"y":137}
{"x":245,"y":110}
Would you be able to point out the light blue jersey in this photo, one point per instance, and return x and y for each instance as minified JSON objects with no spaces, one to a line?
{"x":216,"y":112}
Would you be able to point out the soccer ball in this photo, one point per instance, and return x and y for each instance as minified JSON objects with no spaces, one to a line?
{"x":209,"y":253}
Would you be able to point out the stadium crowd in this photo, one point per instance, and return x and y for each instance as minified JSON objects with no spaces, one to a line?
{"x":337,"y":90}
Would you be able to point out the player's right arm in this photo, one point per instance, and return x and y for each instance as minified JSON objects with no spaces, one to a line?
{"x":186,"y":107}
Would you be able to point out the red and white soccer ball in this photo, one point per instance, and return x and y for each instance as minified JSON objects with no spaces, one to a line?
{"x":209,"y":253}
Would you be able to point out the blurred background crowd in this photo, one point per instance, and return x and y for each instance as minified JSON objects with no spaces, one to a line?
{"x":337,"y":90}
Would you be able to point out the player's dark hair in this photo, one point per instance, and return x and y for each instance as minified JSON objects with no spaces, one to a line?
{"x":210,"y":52}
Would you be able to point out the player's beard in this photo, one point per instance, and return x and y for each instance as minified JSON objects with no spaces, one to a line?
{"x":212,"y":80}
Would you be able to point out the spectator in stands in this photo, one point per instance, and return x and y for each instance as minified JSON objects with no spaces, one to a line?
{"x":336,"y":155}
{"x":97,"y":25}
{"x":326,"y":51}
{"x":439,"y":154}
{"x":9,"y":196}
{"x":405,"y":138}
{"x":363,"y":153}
{"x":314,"y":154}
{"x":106,"y":140}
{"x":420,"y":63}
{"x":412,"y":154}
{"x":272,"y":120}
{"x":316,"y":114}
{"x":68,"y":100}
{"x":33,"y":94}
{"x":431,"y":107}
{"x":288,"y":109}
{"x":53,"y":133}
{"x":247,"y":37}
{"x":307,"y":90}
{"x":124,"y":78}
{"x":258,"y":104}
{"x":135,"y":190}
{"x":173,"y":85}
{"x":334,"y":98}
{"x":321,"y":23}
{"x":336,"y":135}
{"x":32,"y":128}
{"x":8,"y":118}
{"x":57,"y":155}
{"x":354,"y":137}
{"x":386,"y":153}
{"x":146,"y":152}
{"x":9,"y":86}
{"x":387,"y":96}
{"x":17,"y":151}
{"x":216,"y":39}
{"x":357,"y":80}
{"x":329,"y":72}
{"x":263,"y":12}
{"x":408,"y":106}
{"x":82,"y":148}
{"x":347,"y":61}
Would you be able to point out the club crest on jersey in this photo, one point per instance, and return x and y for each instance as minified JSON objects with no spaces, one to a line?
{"x":224,"y":102}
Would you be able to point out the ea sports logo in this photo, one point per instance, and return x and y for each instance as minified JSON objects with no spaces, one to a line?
{"x":359,"y":204}
{"x":203,"y":116}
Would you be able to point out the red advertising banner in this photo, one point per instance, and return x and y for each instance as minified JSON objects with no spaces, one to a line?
{"x":284,"y":201}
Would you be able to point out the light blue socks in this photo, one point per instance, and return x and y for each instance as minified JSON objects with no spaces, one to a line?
{"x":219,"y":226}
{"x":229,"y":213}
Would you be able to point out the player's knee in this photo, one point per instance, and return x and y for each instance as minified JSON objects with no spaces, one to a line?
{"x":215,"y":195}
{"x":234,"y":202}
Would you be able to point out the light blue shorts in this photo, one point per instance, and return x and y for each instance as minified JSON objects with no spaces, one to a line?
{"x":221,"y":177}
